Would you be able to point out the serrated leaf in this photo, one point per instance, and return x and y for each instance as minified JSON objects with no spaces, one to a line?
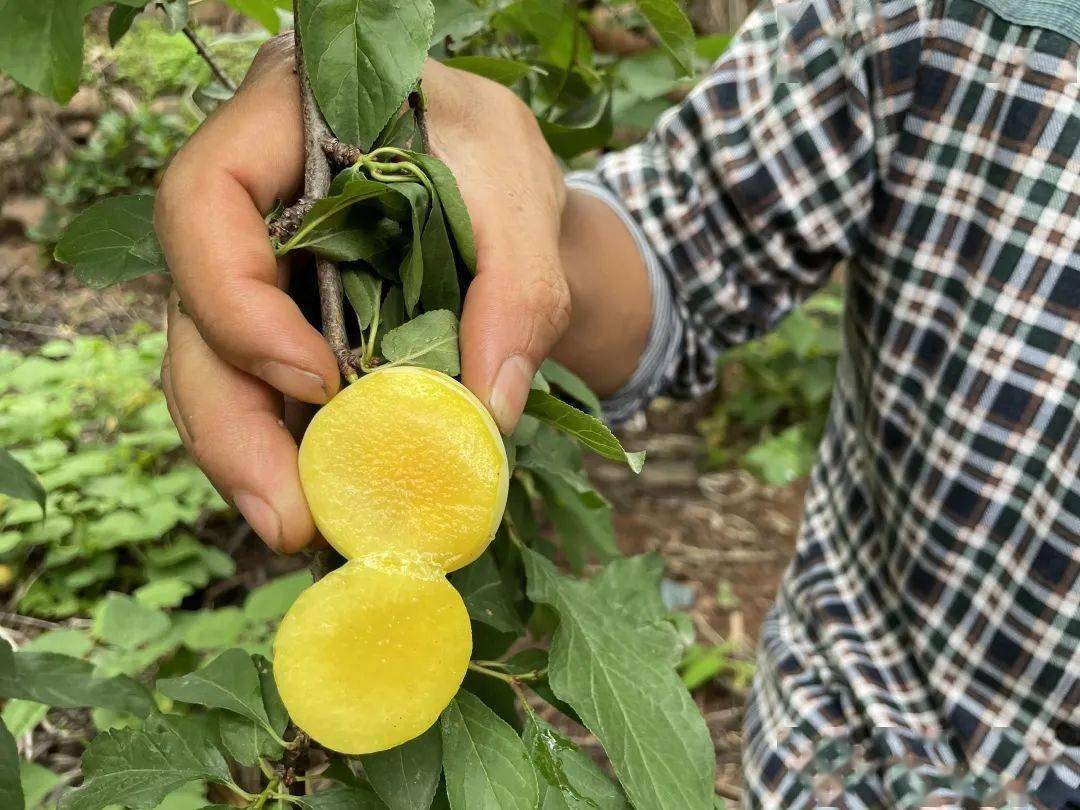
{"x":127,"y":623}
{"x":69,"y":683}
{"x":230,"y":682}
{"x":429,"y":340}
{"x":363,"y":291}
{"x":486,"y":596}
{"x":406,"y":777}
{"x":113,"y":241}
{"x":619,"y":676}
{"x":41,"y":45}
{"x":572,"y":385}
{"x":586,"y":529}
{"x":588,"y":430}
{"x":11,"y":792}
{"x":674,"y":30}
{"x":503,"y":71}
{"x":486,"y":764}
{"x":272,"y":600}
{"x":391,"y":315}
{"x":569,"y":780}
{"x":140,"y":767}
{"x":363,"y":57}
{"x":37,"y":783}
{"x":17,"y":481}
{"x":275,"y":708}
{"x":244,"y":740}
{"x":177,"y":14}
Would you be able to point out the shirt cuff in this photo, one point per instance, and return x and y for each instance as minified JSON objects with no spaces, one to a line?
{"x":665,"y":332}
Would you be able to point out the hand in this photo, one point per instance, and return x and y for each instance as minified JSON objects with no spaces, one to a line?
{"x":239,"y":349}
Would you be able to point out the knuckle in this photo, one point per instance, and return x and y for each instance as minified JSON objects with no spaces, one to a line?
{"x":548,"y":301}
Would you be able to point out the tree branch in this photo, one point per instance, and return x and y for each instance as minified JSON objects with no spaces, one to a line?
{"x":208,"y":57}
{"x":316,"y":184}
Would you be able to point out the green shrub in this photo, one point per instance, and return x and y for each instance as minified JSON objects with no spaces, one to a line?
{"x":774,"y":394}
{"x":124,"y":504}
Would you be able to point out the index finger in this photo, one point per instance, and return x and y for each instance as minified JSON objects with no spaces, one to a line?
{"x":209,"y":218}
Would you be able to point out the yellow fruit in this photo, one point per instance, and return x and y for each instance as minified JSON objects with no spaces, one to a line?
{"x":406,"y":461}
{"x":368,"y":657}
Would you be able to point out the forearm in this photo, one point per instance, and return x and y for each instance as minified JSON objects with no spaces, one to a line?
{"x":610,"y":294}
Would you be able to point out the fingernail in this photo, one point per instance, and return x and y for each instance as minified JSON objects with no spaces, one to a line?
{"x":260,"y":517}
{"x":509,"y":392}
{"x":294,"y":381}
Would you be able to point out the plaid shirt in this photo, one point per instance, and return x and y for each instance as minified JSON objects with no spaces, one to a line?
{"x":924,"y":648}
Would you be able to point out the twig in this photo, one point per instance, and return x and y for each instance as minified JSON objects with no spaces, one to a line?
{"x":208,"y":57}
{"x":418,"y":105}
{"x":341,"y":154}
{"x":316,"y":184}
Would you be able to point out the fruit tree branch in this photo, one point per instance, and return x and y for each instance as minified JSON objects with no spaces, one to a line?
{"x":316,"y":184}
{"x":208,"y":57}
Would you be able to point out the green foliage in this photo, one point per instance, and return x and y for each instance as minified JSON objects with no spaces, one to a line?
{"x":774,"y":394}
{"x":86,"y":416}
{"x":112,"y":241}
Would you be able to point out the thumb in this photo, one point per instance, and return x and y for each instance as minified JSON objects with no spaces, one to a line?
{"x":516,"y":310}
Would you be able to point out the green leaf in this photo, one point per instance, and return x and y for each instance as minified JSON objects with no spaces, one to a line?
{"x":41,"y":45}
{"x":429,"y":340}
{"x":457,"y":215}
{"x":271,"y":601}
{"x":337,"y":228}
{"x":780,"y":460}
{"x":37,"y":783}
{"x":673,"y":29}
{"x":264,"y":12}
{"x":569,"y":779}
{"x":619,"y":676}
{"x":391,"y":315}
{"x":343,"y":798}
{"x":120,"y":20}
{"x":588,"y":126}
{"x":140,"y":767}
{"x":69,"y":683}
{"x":177,"y":14}
{"x":212,"y":629}
{"x":411,"y":271}
{"x":243,"y":740}
{"x":584,"y":526}
{"x":230,"y":681}
{"x":572,"y":385}
{"x":486,"y":764}
{"x":363,"y":57}
{"x":486,"y":596}
{"x":460,"y":19}
{"x":163,"y":593}
{"x":405,"y":777}
{"x":113,"y":241}
{"x":11,"y":791}
{"x":127,"y":623}
{"x":362,"y":289}
{"x":439,"y":288}
{"x":19,"y":482}
{"x":588,"y":430}
{"x":503,"y":71}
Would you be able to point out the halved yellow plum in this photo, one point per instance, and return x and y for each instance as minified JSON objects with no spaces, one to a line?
{"x":370,"y":655}
{"x":406,"y":461}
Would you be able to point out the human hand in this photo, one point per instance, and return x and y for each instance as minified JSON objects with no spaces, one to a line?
{"x":240,"y":349}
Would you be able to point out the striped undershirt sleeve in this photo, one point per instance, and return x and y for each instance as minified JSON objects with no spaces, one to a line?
{"x":657,"y":363}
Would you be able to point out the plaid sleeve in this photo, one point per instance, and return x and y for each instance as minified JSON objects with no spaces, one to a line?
{"x":751,"y":191}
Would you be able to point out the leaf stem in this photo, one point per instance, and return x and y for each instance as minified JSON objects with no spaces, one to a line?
{"x":316,"y":184}
{"x":204,"y":52}
{"x":483,"y":668}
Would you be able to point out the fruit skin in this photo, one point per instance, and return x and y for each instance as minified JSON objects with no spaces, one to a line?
{"x":369,"y":656}
{"x":406,"y":461}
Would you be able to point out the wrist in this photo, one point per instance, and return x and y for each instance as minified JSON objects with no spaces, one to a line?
{"x":609,"y":291}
